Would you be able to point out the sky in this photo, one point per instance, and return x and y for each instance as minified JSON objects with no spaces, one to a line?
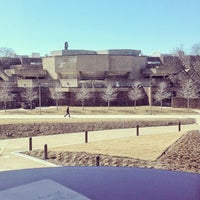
{"x":151,"y":26}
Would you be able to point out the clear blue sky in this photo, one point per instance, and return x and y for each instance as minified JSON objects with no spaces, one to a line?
{"x":152,"y":25}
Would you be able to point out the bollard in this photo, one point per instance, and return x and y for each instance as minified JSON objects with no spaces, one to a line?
{"x":86,"y":137}
{"x":97,"y":160}
{"x":30,"y":144}
{"x":45,"y":152}
{"x":137,"y":130}
{"x":179,"y":126}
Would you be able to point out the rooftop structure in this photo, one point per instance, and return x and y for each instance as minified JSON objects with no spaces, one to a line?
{"x":122,"y":52}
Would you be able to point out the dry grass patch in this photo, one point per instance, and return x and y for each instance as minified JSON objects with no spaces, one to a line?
{"x":101,"y":110}
{"x":145,"y":147}
{"x":182,"y":155}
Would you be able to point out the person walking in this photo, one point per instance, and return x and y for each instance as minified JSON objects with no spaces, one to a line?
{"x":67,"y":112}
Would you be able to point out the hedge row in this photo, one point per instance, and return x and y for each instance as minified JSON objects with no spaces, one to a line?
{"x":35,"y":129}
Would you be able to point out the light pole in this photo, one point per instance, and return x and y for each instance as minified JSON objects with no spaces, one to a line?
{"x":150,"y":98}
{"x":39,"y":88}
{"x":150,"y":95}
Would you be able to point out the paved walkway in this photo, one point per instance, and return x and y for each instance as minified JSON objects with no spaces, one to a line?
{"x":11,"y":159}
{"x":21,"y":116}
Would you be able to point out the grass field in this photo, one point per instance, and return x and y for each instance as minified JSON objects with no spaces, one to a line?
{"x":145,"y":147}
{"x":143,"y":150}
{"x":143,"y":110}
{"x":13,"y":115}
{"x":161,"y":151}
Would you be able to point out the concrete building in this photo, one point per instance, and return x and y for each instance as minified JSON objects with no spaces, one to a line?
{"x":120,"y":67}
{"x":71,"y":68}
{"x":66,"y":70}
{"x":74,"y":67}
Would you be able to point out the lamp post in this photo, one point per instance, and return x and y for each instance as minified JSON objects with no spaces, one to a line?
{"x":150,"y":94}
{"x":39,"y":88}
{"x":150,"y":98}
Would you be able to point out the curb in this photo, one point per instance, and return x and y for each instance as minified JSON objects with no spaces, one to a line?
{"x":19,"y":153}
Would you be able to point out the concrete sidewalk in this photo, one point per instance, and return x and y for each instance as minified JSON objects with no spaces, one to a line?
{"x":45,"y":116}
{"x":10,"y":159}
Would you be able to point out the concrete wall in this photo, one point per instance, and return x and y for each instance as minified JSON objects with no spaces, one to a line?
{"x":93,"y":63}
{"x":49,"y":64}
{"x":72,"y":52}
{"x":63,"y":68}
{"x":178,"y":102}
{"x":92,"y":66}
{"x":66,"y":67}
{"x":121,"y":63}
{"x":139,"y":64}
{"x":25,"y":83}
{"x":67,"y":83}
{"x":124,"y":52}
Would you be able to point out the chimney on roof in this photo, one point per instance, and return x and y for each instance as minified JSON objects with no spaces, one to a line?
{"x":66,"y":45}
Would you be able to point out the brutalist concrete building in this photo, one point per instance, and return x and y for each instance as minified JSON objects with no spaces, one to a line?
{"x":74,"y":67}
{"x":67,"y":70}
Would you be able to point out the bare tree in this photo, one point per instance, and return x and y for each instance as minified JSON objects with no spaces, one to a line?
{"x":194,"y":71}
{"x":109,"y":94}
{"x":162,"y":93}
{"x":30,"y":94}
{"x":82,"y":95}
{"x":57,"y":96}
{"x":195,"y":50}
{"x":184,"y":58}
{"x":188,"y":90}
{"x":6,"y":52}
{"x":190,"y":63}
{"x":6,"y":93}
{"x":136,"y":92}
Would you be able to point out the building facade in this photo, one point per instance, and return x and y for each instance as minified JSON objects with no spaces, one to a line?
{"x":75,"y":67}
{"x":67,"y":70}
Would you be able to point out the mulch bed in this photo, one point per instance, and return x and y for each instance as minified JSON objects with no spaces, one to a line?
{"x":19,"y":130}
{"x":183,"y":155}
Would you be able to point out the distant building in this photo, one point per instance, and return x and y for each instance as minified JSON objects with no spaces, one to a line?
{"x":73,"y":67}
{"x":66,"y":70}
{"x":36,"y":55}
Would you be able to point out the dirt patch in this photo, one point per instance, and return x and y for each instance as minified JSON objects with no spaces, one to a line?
{"x":183,"y":155}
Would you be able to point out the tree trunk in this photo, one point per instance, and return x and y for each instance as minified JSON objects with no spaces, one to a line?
{"x":82,"y":105}
{"x":188,"y":103}
{"x":5,"y":108}
{"x":56,"y":104}
{"x":135,"y":104}
{"x":31,"y":105}
{"x":108,"y":104}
